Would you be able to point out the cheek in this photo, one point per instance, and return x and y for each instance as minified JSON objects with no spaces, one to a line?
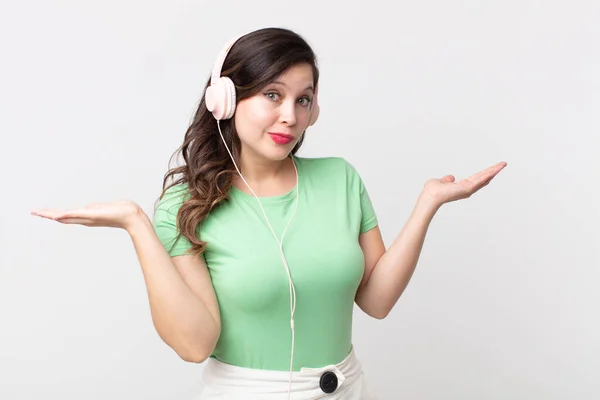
{"x":254,"y":113}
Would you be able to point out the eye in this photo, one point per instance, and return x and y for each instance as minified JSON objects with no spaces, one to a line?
{"x":272,"y":96}
{"x":305,"y":101}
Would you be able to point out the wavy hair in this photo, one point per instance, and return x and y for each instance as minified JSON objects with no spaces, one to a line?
{"x":253,"y":62}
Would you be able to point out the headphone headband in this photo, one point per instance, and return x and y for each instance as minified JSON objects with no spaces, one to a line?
{"x":216,"y":72}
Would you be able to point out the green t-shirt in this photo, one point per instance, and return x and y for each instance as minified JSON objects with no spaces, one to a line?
{"x":251,"y":283}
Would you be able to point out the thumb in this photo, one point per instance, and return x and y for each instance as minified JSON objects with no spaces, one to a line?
{"x":448,"y":178}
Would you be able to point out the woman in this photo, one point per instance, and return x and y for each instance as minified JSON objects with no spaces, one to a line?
{"x":255,"y":256}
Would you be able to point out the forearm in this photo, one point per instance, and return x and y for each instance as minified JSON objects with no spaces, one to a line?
{"x":395,"y":268}
{"x":180,"y":317}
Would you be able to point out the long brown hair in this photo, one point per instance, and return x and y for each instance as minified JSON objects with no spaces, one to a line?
{"x":253,"y":62}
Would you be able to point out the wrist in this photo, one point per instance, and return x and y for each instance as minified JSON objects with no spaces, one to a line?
{"x":428,"y":204}
{"x":137,"y":221}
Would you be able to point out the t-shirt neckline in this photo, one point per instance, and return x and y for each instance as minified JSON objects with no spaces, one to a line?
{"x":282,"y":198}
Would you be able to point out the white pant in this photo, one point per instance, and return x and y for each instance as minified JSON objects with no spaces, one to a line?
{"x":225,"y":381}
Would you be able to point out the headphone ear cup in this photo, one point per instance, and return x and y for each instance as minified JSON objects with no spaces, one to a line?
{"x":231,"y":97}
{"x":220,"y":98}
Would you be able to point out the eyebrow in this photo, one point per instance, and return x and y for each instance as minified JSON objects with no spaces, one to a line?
{"x":306,"y":88}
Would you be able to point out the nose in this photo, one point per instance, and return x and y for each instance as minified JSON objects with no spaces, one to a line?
{"x":287,"y":112}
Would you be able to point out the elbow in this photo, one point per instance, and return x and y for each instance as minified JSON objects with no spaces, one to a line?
{"x":196,"y":358}
{"x":380,"y":314}
{"x":374,"y":312}
{"x":195,"y":354}
{"x":193,"y":350}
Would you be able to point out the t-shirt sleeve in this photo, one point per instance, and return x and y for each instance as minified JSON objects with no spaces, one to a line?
{"x":165,"y":221}
{"x":358,"y":188}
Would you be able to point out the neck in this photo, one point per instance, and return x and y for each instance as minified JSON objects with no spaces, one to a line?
{"x":260,"y":171}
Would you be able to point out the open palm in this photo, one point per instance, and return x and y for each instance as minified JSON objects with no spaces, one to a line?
{"x":445,"y":190}
{"x":116,"y":214}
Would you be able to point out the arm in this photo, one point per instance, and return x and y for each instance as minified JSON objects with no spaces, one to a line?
{"x":387,"y":273}
{"x":183,"y":303}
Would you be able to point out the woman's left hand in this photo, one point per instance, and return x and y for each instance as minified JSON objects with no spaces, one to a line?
{"x":445,"y":190}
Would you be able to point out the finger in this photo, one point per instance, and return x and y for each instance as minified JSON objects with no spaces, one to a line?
{"x":47,"y":213}
{"x":56,"y":214}
{"x":480,"y":187}
{"x":78,"y":221}
{"x":475,"y":186}
{"x":62,"y":219}
{"x":483,"y":176}
{"x":484,"y":185}
{"x":491,"y":170}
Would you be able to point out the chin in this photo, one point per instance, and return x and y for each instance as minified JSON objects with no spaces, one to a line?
{"x":280,"y":155}
{"x":280,"y":152}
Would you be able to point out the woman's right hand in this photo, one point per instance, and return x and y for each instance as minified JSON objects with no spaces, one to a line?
{"x":114,"y":214}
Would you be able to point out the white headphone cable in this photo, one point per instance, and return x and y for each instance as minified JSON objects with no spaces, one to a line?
{"x":292,"y":288}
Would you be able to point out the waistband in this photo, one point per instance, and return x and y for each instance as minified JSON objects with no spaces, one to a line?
{"x":330,"y":381}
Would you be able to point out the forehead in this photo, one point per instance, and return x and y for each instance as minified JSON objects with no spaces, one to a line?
{"x":298,"y":76}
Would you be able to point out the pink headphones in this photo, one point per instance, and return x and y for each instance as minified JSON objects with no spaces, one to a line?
{"x":220,"y":96}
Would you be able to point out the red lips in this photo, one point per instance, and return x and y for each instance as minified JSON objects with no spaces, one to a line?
{"x":281,"y":138}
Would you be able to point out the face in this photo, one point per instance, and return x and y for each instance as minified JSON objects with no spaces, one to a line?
{"x":270,"y":123}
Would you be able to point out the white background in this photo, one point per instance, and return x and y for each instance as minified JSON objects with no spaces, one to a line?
{"x":96,"y":96}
